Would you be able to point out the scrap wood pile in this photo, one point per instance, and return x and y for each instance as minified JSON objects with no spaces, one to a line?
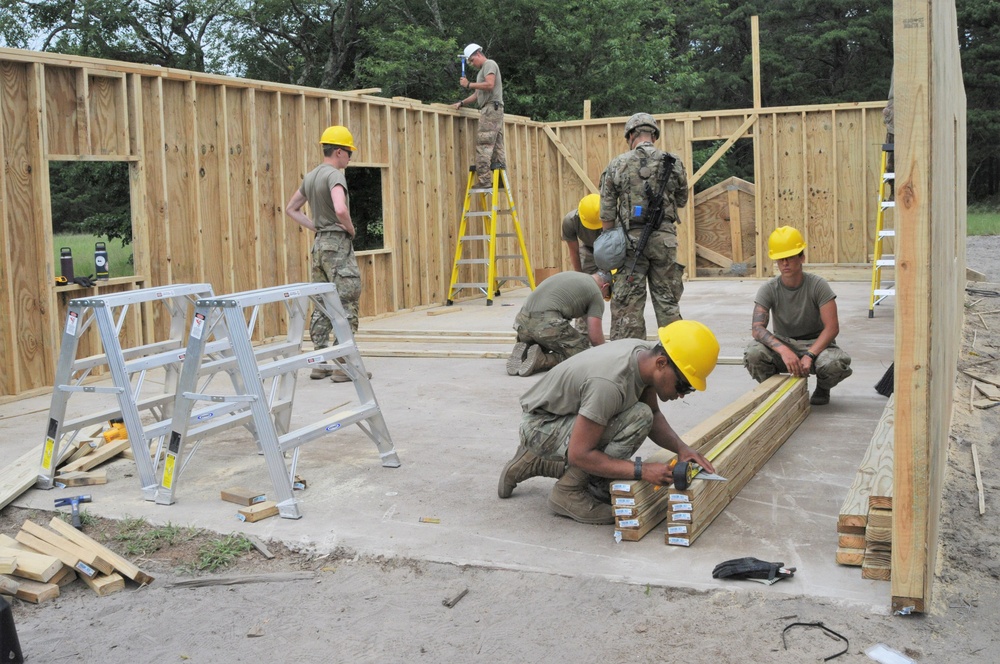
{"x":864,"y":525}
{"x":39,"y":561}
{"x":739,"y":439}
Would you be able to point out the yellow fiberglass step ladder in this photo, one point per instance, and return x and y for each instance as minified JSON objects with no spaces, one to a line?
{"x":488,"y":212}
{"x":883,"y":231}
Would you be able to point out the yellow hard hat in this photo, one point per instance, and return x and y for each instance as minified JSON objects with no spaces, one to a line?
{"x":785,"y":242}
{"x":590,"y":211}
{"x":338,"y":135}
{"x":693,"y":349}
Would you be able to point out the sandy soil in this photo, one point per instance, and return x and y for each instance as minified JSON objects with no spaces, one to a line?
{"x":343,"y":608}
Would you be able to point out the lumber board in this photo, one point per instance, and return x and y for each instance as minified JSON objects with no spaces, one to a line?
{"x":68,"y":559}
{"x":242,"y":496}
{"x":128,"y":569}
{"x":875,"y":474}
{"x":32,"y":565}
{"x":7,"y":564}
{"x":852,"y":557}
{"x":104,"y":453}
{"x":64,"y":576}
{"x":851,"y":541}
{"x":19,"y":476}
{"x":35,"y":592}
{"x":743,"y":459}
{"x":89,"y":557}
{"x":105,"y":584}
{"x":82,"y":478}
{"x":257,"y":512}
{"x":8,"y":585}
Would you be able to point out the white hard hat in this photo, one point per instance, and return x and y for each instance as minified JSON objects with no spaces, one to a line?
{"x":471,"y":49}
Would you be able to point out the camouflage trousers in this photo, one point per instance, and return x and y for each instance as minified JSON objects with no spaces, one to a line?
{"x":333,"y":261}
{"x":552,"y":332}
{"x":547,"y":435}
{"x":489,"y":144}
{"x":831,"y":367}
{"x":657,"y":266}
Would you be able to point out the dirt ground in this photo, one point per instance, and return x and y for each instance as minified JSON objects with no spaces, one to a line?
{"x":345,"y":608}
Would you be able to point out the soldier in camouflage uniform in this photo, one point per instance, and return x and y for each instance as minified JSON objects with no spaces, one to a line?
{"x":623,"y":193}
{"x":488,"y":97}
{"x":806,"y":323}
{"x":583,"y":421}
{"x":325,"y":190}
{"x":545,"y":332}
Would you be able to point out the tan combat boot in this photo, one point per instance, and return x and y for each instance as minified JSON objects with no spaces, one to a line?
{"x":570,"y":497}
{"x":537,"y":360}
{"x":321,"y":372}
{"x":820,"y":396}
{"x":524,"y":465}
{"x":516,"y":358}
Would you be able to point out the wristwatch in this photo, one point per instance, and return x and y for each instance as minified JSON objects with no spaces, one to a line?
{"x":637,"y":474}
{"x":811,"y":354}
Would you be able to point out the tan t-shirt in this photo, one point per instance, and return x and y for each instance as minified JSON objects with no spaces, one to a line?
{"x":795,"y":311}
{"x":316,"y":188}
{"x":572,"y":294}
{"x":598,"y":383}
{"x":573,"y":230}
{"x":484,"y":97}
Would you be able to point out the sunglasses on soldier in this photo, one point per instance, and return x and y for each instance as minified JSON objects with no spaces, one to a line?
{"x":681,"y":386}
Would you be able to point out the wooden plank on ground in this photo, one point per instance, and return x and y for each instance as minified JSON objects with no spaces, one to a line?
{"x":105,"y":584}
{"x":32,"y":565}
{"x":104,"y":453}
{"x":35,"y":591}
{"x":89,"y":557}
{"x":263,"y":510}
{"x":874,"y":476}
{"x":82,"y":478}
{"x":128,"y":569}
{"x":19,"y":476}
{"x":68,"y":559}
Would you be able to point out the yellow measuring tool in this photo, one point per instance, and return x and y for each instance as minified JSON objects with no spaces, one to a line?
{"x":685,"y":471}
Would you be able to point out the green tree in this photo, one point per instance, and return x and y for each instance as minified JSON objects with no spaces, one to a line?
{"x":979,"y":44}
{"x":91,"y":197}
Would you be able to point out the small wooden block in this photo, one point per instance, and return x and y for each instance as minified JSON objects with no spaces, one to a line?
{"x":63,"y":576}
{"x":9,"y":585}
{"x":35,"y":591}
{"x":443,"y":310}
{"x":263,"y":510}
{"x":83,"y":478}
{"x":853,"y":557}
{"x":33,"y":566}
{"x":7,"y":564}
{"x":241,"y":496}
{"x":105,"y":584}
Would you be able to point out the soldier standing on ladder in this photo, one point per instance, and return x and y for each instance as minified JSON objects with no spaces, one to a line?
{"x":488,"y":95}
{"x":333,"y":260}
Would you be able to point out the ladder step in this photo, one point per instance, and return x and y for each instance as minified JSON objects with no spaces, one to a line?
{"x":888,"y":176}
{"x":887,"y":233}
{"x":888,"y":204}
{"x":475,"y":237}
{"x":469,"y":285}
{"x":293,"y":439}
{"x":481,"y":190}
{"x":884,"y":292}
{"x":885,"y":262}
{"x":478,"y":214}
{"x":473,"y":261}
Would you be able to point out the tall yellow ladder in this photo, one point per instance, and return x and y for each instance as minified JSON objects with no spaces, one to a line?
{"x":883,"y":230}
{"x":483,"y":204}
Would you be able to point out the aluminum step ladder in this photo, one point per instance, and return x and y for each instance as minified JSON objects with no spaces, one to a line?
{"x":884,"y":232}
{"x":264,"y":385}
{"x":129,"y":368}
{"x":480,"y":247}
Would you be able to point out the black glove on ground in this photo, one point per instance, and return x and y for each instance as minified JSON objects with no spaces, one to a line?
{"x":752,"y":568}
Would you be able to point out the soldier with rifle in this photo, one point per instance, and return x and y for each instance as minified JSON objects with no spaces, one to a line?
{"x":642,"y":191}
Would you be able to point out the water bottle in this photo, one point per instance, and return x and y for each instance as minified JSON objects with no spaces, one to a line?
{"x":101,"y":261}
{"x":66,"y":263}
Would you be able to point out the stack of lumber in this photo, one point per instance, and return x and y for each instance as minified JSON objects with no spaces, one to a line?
{"x":640,"y":506}
{"x":41,"y":560}
{"x":870,"y":496}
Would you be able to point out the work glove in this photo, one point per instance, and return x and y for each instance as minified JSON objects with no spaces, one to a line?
{"x":752,"y":569}
{"x":61,"y":281}
{"x":86,"y":282}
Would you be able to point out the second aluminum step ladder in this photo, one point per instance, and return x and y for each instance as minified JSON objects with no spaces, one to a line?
{"x":883,"y":231}
{"x":264,"y":387}
{"x":478,"y":236}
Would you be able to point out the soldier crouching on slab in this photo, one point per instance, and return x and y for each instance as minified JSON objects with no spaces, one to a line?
{"x":583,"y":421}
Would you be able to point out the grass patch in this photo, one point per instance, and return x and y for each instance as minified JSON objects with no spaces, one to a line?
{"x":139,"y":538}
{"x":221,"y":552}
{"x":982,"y":222}
{"x":119,"y":255}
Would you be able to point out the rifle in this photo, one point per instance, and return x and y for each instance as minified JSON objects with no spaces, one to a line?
{"x":653,"y":214}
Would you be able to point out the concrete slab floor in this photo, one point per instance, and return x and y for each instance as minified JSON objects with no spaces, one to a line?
{"x":454,"y":425}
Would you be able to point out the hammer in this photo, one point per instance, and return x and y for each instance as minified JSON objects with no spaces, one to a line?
{"x":74,"y":503}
